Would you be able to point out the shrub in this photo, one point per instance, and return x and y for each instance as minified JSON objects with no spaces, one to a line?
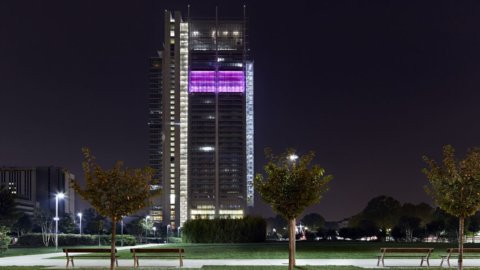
{"x":4,"y":238}
{"x":35,"y":240}
{"x":246,"y":230}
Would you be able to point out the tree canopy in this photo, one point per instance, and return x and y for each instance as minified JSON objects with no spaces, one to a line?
{"x":455,"y":186}
{"x":292,"y":184}
{"x":114,"y":192}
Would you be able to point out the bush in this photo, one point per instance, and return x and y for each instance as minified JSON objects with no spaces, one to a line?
{"x":246,"y":230}
{"x":35,"y":240}
{"x":4,"y":238}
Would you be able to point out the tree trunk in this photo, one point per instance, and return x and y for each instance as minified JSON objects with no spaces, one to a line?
{"x":291,"y":243}
{"x":112,"y":251}
{"x":460,"y":242}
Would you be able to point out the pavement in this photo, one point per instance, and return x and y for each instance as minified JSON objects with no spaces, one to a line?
{"x":46,"y":260}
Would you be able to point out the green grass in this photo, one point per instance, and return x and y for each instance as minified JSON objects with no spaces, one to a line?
{"x":272,"y":250}
{"x":17,"y":251}
{"x":305,"y":250}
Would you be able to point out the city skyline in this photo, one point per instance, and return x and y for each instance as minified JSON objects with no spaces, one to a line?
{"x":370,"y":86}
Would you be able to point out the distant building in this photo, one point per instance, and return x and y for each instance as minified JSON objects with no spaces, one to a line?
{"x":37,"y":187}
{"x":201,"y":119}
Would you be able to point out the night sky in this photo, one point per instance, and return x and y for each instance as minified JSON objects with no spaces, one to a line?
{"x":371,"y":86}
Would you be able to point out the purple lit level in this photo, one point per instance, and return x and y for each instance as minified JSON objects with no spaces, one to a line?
{"x":227,"y":81}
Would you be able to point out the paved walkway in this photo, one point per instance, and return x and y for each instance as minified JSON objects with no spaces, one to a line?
{"x":45,"y":260}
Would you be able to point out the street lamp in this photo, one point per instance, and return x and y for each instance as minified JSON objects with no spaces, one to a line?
{"x":292,"y":157}
{"x":154,"y":230}
{"x":58,"y":196}
{"x":168,"y":228}
{"x":80,"y":225}
{"x":121,"y":225}
{"x":146,"y":228}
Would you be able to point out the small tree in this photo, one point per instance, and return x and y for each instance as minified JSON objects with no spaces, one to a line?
{"x":4,"y":238}
{"x":23,"y":225}
{"x":290,"y":187}
{"x":44,"y":219}
{"x":313,"y":221}
{"x":8,"y":211}
{"x":455,"y":187}
{"x":115,"y":192}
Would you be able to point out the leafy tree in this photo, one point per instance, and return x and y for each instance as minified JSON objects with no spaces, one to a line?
{"x":44,"y":219}
{"x":4,"y":238}
{"x":8,"y":212}
{"x":147,"y":226}
{"x":94,"y":223}
{"x":114,"y":192}
{"x":65,"y":224}
{"x":408,"y":226}
{"x":23,"y":225}
{"x":383,"y":211}
{"x":290,"y":187}
{"x":135,"y":228}
{"x":422,"y":211}
{"x":455,"y":187}
{"x":313,"y":221}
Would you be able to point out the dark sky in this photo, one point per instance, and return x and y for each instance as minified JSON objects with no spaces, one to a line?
{"x":371,"y":86}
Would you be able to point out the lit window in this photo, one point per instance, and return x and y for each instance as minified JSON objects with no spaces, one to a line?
{"x":172,"y":33}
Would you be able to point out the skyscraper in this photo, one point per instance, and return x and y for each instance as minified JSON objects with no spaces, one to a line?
{"x":201,"y":119}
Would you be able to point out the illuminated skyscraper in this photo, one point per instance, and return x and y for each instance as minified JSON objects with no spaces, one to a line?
{"x":201,"y":98}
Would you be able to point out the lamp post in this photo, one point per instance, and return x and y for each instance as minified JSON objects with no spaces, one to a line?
{"x":80,"y":225}
{"x":58,"y":196}
{"x":168,"y":228}
{"x":146,"y":228}
{"x":121,"y":230}
{"x":154,"y":230}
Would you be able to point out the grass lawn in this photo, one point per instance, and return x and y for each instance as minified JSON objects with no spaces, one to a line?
{"x":305,"y":250}
{"x":272,"y":250}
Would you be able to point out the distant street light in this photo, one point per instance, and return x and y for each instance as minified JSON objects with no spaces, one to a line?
{"x":58,"y":196}
{"x":146,"y":227}
{"x":80,"y":225}
{"x":293,"y":157}
{"x":154,"y":230}
{"x":168,"y":228}
{"x":121,"y":230}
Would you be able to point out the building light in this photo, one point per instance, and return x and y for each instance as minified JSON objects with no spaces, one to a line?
{"x":207,"y":148}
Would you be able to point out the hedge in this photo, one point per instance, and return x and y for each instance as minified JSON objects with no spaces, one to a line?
{"x":246,"y":230}
{"x":35,"y":240}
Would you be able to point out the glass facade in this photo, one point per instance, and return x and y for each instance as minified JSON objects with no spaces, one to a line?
{"x":206,"y":120}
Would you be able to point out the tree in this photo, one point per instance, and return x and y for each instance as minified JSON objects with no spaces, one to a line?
{"x":44,"y":219}
{"x":8,"y":212}
{"x":65,"y":224}
{"x":290,"y":187}
{"x":455,"y":187}
{"x":93,"y":222}
{"x":313,"y":221}
{"x":4,"y":238}
{"x":383,"y":211}
{"x":23,"y":225}
{"x":114,"y":192}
